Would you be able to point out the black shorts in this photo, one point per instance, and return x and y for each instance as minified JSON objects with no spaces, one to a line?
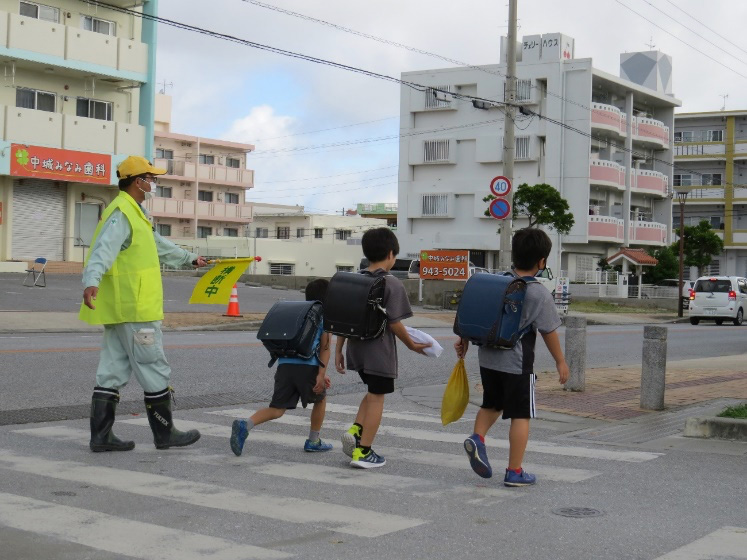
{"x":293,"y":382}
{"x":509,"y":392}
{"x":376,"y":384}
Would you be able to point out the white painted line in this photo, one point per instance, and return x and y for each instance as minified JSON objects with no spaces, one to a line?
{"x":727,"y":542}
{"x":430,"y":458}
{"x":446,"y":437}
{"x":119,"y":535}
{"x":335,"y":476}
{"x":344,"y":519}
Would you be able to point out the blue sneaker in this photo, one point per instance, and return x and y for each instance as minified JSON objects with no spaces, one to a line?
{"x":239,"y":434}
{"x":478,"y":456}
{"x":521,"y":479}
{"x":317,"y":445}
{"x":371,"y":460}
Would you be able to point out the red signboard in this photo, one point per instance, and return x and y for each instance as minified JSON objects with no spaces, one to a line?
{"x":60,"y":165}
{"x":444,"y":264}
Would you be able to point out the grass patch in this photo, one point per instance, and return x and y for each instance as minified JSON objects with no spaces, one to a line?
{"x":737,"y":411}
{"x":606,"y":307}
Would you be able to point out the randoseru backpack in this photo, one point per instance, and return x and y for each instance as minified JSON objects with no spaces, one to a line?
{"x":354,"y":305}
{"x":489,"y":311}
{"x":289,"y":329}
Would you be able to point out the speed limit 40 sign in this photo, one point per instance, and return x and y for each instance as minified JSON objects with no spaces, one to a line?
{"x":500,"y":186}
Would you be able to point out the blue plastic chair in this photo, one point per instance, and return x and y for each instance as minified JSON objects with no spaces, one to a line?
{"x":36,"y":272}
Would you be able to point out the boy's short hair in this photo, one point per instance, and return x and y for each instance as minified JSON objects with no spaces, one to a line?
{"x":529,"y":246}
{"x":377,"y":243}
{"x":316,"y":289}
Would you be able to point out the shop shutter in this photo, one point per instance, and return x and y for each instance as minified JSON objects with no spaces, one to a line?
{"x":38,"y":219}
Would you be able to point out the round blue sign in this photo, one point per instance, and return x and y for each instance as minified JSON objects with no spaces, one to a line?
{"x":500,"y":208}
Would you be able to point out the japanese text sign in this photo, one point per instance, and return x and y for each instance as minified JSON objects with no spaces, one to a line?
{"x":60,"y":165}
{"x":444,"y":264}
{"x":216,"y":285}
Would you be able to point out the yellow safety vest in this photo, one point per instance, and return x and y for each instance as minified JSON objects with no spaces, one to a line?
{"x":131,"y":291}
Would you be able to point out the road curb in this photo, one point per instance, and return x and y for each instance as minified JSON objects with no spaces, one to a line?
{"x":717,"y":428}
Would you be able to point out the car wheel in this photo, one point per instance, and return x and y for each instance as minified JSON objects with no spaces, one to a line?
{"x":719,"y":321}
{"x":694,"y":321}
{"x":739,"y":318}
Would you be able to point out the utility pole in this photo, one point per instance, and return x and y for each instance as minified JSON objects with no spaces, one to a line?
{"x":509,"y":148}
{"x":681,"y":197}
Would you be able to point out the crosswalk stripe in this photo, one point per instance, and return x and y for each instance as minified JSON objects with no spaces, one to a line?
{"x":406,"y":416}
{"x":421,"y":487}
{"x":116,"y":534}
{"x":430,"y":458}
{"x":343,"y":519}
{"x":447,"y":437}
{"x":727,"y":542}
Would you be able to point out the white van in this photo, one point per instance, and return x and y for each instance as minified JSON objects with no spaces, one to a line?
{"x":719,"y":298}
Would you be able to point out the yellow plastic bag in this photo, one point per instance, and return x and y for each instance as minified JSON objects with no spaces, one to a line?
{"x":456,"y":395}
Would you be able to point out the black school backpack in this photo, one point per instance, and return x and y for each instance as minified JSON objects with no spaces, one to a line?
{"x":354,"y":305}
{"x":289,"y":330}
{"x":489,"y":311}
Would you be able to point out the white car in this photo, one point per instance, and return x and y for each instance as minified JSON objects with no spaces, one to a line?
{"x":719,"y":298}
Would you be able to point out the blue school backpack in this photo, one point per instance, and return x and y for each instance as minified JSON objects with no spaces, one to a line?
{"x":489,"y":311}
{"x":289,"y":330}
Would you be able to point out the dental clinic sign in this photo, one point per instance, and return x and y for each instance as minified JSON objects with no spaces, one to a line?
{"x":60,"y":165}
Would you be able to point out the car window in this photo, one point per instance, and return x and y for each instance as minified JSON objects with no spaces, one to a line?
{"x":712,"y":285}
{"x":743,"y":286}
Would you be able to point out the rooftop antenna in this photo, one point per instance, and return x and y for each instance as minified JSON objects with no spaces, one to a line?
{"x":650,"y":43}
{"x":164,"y":85}
{"x":724,"y":96}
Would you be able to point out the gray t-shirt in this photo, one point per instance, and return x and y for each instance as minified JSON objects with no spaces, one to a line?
{"x":379,"y":355}
{"x":538,"y":311}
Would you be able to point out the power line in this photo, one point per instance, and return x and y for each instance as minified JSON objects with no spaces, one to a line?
{"x":324,"y":129}
{"x":330,"y":176}
{"x":700,"y":22}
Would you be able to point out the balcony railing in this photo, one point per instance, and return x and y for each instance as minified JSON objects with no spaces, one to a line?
{"x":185,"y":209}
{"x":651,"y":131}
{"x":608,"y":117}
{"x":647,"y":233}
{"x":606,"y":173}
{"x":700,"y":150}
{"x":606,"y":228}
{"x":651,"y":182}
{"x":223,"y":174}
{"x":72,"y":43}
{"x":223,"y":211}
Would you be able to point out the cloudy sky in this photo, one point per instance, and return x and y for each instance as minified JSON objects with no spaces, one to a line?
{"x":298,"y":113}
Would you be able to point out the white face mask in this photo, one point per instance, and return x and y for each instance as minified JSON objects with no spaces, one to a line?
{"x":152,"y":192}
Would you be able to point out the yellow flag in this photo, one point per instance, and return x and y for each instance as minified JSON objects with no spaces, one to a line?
{"x":215,"y":286}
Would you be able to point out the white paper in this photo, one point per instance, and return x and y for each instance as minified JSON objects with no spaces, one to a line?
{"x":434,"y":350}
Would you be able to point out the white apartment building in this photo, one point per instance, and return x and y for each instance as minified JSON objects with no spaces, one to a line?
{"x":711,"y":166}
{"x":78,"y":99}
{"x":204,"y":192}
{"x":615,"y":172}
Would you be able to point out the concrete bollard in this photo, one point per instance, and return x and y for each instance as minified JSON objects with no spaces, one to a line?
{"x":575,"y":353}
{"x":653,"y":372}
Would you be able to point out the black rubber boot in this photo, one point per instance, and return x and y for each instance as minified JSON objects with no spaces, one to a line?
{"x":103,"y":405}
{"x":158,"y":406}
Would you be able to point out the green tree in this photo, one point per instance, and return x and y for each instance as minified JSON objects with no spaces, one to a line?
{"x":701,"y":245}
{"x":667,"y":267}
{"x":543,"y":205}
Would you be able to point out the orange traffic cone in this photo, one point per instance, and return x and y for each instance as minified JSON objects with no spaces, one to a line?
{"x":233,"y":304}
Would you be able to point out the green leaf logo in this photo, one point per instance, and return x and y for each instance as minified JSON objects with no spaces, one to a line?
{"x":423,"y":256}
{"x":22,"y":157}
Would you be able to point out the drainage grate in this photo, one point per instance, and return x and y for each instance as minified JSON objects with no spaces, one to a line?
{"x":581,"y":512}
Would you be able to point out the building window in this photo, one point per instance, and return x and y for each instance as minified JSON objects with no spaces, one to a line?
{"x":714,"y":136}
{"x":284,"y":232}
{"x":681,"y":180}
{"x":344,"y":268}
{"x":522,"y":148}
{"x":86,"y":220}
{"x":523,"y":90}
{"x":230,"y":232}
{"x":710,"y":179}
{"x":435,"y":205}
{"x":164,"y":154}
{"x":342,"y":234}
{"x":233,"y":162}
{"x":433,"y":102}
{"x":232,"y":198}
{"x":714,"y":269}
{"x":97,"y":25}
{"x":93,"y":109}
{"x":205,"y":196}
{"x":299,"y":232}
{"x":164,"y":229}
{"x":435,"y":151}
{"x":318,"y":233}
{"x":281,"y":269}
{"x":206,"y":160}
{"x":261,"y":233}
{"x":35,"y":99}
{"x":684,"y":136}
{"x":163,"y":192}
{"x":40,"y":11}
{"x":203,"y":232}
